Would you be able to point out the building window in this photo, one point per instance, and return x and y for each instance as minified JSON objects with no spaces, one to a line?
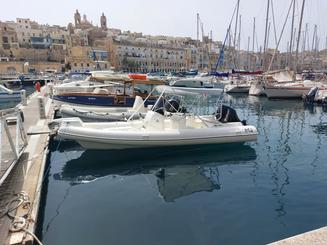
{"x":87,"y":64}
{"x":105,"y":66}
{"x":26,"y":27}
{"x":75,"y":64}
{"x":82,"y":64}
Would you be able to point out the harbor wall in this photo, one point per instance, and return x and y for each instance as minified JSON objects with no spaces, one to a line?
{"x":12,"y":67}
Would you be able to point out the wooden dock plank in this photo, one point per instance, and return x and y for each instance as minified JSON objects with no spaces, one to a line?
{"x":27,"y":175}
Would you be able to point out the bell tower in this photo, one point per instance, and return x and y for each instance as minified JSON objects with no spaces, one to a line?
{"x":103,"y":21}
{"x":77,"y":17}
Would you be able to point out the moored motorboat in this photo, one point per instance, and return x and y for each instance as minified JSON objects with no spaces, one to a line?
{"x":294,"y":90}
{"x":7,"y":94}
{"x":171,"y":127}
{"x":120,"y":93}
{"x":104,"y":114}
{"x":237,"y":87}
{"x":195,"y":85}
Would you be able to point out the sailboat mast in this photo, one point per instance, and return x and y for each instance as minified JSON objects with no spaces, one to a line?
{"x":292,"y":34}
{"x":235,"y":31}
{"x":253,"y":35}
{"x":299,"y":37}
{"x":266,"y":29}
{"x":253,"y":38}
{"x":247,"y":54}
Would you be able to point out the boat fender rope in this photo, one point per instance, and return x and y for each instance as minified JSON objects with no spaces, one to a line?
{"x":19,"y":223}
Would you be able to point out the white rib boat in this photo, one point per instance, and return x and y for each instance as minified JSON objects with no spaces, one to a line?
{"x":104,"y":114}
{"x":157,"y":130}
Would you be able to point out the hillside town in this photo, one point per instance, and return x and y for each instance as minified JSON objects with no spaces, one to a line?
{"x":163,"y":122}
{"x":27,"y":46}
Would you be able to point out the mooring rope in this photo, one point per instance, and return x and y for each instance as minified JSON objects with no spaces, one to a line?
{"x":19,"y":223}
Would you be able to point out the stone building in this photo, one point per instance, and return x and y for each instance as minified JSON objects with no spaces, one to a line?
{"x":146,"y":56}
{"x":8,"y":36}
{"x":84,"y":58}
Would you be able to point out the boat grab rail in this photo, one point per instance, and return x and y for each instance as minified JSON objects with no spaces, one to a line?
{"x":143,"y":103}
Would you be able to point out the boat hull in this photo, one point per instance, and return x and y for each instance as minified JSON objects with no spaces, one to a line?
{"x":127,"y":144}
{"x":96,"y":100}
{"x":229,"y":88}
{"x":14,"y":96}
{"x":256,"y":90}
{"x":286,"y":92}
{"x":122,"y":135}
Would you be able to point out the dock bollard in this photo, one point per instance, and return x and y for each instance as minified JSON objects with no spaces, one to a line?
{"x":41,"y":107}
{"x":23,"y":97}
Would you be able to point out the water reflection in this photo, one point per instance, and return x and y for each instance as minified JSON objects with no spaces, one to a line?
{"x":186,"y":169}
{"x":320,"y":128}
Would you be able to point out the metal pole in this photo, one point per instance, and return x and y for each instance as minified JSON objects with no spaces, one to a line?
{"x":17,"y":131}
{"x":1,"y":130}
{"x":235,"y":31}
{"x":266,"y":29}
{"x":299,"y":35}
{"x":253,"y":39}
{"x":292,"y":33}
{"x":12,"y":145}
{"x":247,"y":54}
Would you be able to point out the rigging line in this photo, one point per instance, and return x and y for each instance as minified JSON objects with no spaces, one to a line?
{"x":281,"y":34}
{"x":228,"y":34}
{"x":274,"y":22}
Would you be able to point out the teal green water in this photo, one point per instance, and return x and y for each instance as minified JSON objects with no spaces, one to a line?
{"x":225,"y":194}
{"x":9,"y":103}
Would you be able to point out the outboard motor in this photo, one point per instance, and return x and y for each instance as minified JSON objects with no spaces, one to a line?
{"x":159,"y":106}
{"x":311,"y":95}
{"x":172,"y":105}
{"x":227,"y":114}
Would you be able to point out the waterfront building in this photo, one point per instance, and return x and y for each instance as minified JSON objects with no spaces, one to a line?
{"x":142,"y":55}
{"x":8,"y":36}
{"x":85,"y":58}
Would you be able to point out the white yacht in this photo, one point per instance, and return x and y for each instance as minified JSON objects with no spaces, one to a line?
{"x":203,"y":85}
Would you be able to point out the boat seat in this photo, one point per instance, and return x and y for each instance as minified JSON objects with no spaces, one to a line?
{"x":177,"y":122}
{"x":154,"y":121}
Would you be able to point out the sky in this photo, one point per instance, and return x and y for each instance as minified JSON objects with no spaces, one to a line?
{"x":174,"y":17}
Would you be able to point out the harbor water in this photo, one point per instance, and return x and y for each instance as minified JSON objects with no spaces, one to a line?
{"x":9,"y":103}
{"x":254,"y":193}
